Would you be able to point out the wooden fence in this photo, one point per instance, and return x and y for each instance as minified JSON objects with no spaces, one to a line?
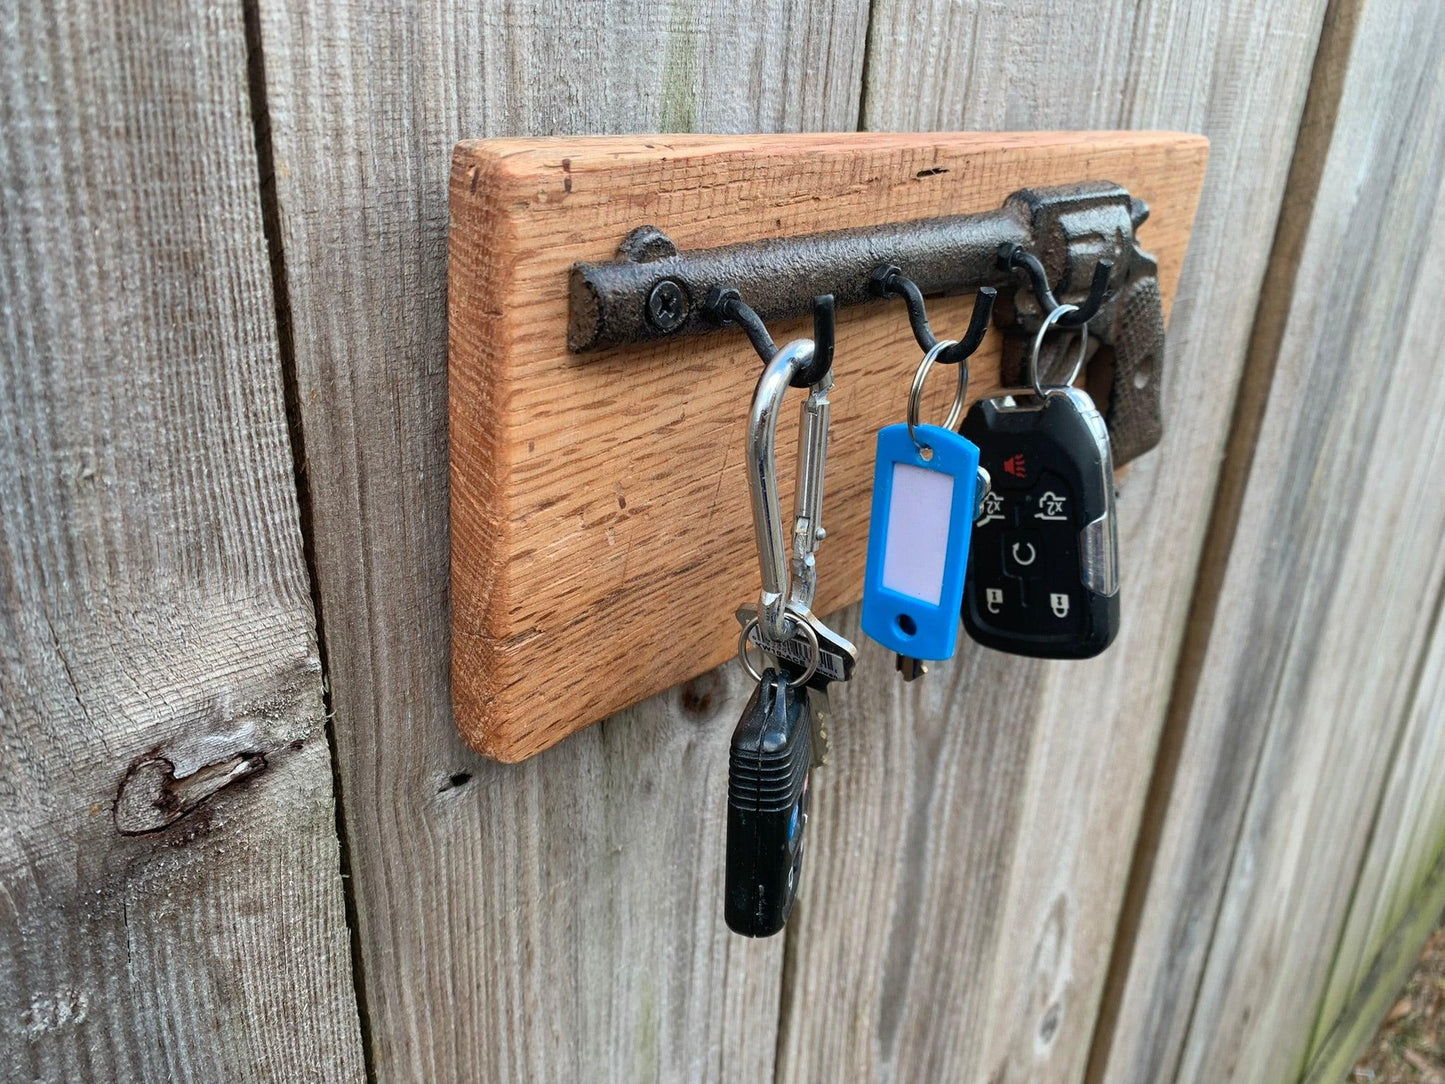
{"x":241,"y":839}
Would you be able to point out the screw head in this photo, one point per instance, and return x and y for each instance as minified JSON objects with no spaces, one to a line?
{"x":666,"y":306}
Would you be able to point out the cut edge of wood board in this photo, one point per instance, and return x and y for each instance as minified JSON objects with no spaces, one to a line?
{"x":474,"y":481}
{"x":526,"y":153}
{"x":496,"y":181}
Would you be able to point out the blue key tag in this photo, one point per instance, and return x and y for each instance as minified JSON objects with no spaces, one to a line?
{"x":924,"y":500}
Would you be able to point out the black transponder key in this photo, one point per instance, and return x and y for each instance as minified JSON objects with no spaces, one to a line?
{"x":767,"y":806}
{"x":1043,"y":570}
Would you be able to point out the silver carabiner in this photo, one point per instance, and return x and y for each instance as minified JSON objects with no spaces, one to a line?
{"x":768,"y":396}
{"x":787,"y":599}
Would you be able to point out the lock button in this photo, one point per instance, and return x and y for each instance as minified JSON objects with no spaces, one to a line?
{"x":1058,"y":607}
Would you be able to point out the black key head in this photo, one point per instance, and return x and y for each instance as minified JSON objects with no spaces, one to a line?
{"x":767,"y":806}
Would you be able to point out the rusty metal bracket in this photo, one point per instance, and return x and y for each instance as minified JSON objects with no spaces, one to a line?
{"x":1044,"y":246}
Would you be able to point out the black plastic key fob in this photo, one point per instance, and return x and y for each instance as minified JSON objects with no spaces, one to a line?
{"x":767,"y":806}
{"x":1043,"y":574}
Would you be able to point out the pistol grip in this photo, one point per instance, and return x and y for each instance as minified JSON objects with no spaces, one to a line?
{"x":1135,"y":338}
{"x":1123,"y":372}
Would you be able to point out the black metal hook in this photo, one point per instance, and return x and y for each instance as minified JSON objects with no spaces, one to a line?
{"x":1013,"y":257}
{"x":725,"y":304}
{"x":889,"y":279}
{"x":825,"y":325}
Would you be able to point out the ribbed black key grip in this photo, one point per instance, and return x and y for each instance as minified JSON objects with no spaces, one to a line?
{"x":767,"y":807}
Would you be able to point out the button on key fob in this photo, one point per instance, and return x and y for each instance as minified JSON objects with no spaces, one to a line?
{"x":767,"y":806}
{"x":1043,"y":575}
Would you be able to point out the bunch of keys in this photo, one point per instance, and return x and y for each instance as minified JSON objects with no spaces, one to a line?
{"x":783,"y":727}
{"x":927,"y":488}
{"x":1044,"y":577}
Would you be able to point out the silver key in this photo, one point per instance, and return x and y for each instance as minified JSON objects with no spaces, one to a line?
{"x":909,"y":667}
{"x":836,"y":655}
{"x":836,"y":658}
{"x":822,"y":716}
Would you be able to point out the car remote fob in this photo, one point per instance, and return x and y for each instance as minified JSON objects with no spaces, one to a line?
{"x":1043,"y":574}
{"x":767,"y":806}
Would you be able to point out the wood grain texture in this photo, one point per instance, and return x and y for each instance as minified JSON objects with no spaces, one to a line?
{"x":1291,"y":729}
{"x":970,"y":852}
{"x":592,"y":495}
{"x":1400,"y":892}
{"x":562,"y":920}
{"x":1380,"y":985}
{"x":170,"y":898}
{"x":1409,"y":825}
{"x":1406,"y":838}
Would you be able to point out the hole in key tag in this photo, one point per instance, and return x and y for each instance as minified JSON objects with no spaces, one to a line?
{"x":925,"y":488}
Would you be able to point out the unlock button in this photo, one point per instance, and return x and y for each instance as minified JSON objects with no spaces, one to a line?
{"x":1022,"y":554}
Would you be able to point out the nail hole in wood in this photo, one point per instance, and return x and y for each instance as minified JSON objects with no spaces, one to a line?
{"x":456,"y":779}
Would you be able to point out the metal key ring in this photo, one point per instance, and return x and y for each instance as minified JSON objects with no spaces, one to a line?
{"x":1033,"y":368}
{"x":810,"y":636}
{"x":915,"y":394}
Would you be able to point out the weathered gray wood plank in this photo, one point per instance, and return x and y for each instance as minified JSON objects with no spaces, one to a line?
{"x":1409,"y":826}
{"x":974,"y":839}
{"x":1327,"y":596}
{"x":1400,"y":894}
{"x":157,"y":618}
{"x":559,"y":920}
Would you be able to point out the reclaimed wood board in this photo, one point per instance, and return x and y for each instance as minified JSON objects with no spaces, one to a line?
{"x":599,"y":502}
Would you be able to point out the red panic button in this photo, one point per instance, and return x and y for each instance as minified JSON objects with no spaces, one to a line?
{"x":1015,"y":472}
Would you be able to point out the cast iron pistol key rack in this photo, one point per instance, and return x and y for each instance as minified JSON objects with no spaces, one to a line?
{"x":597,"y":415}
{"x":1045,"y":246}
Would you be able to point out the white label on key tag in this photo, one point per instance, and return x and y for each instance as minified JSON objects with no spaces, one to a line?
{"x":916,"y":550}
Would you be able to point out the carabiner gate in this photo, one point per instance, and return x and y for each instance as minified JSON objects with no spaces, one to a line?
{"x":779,"y":588}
